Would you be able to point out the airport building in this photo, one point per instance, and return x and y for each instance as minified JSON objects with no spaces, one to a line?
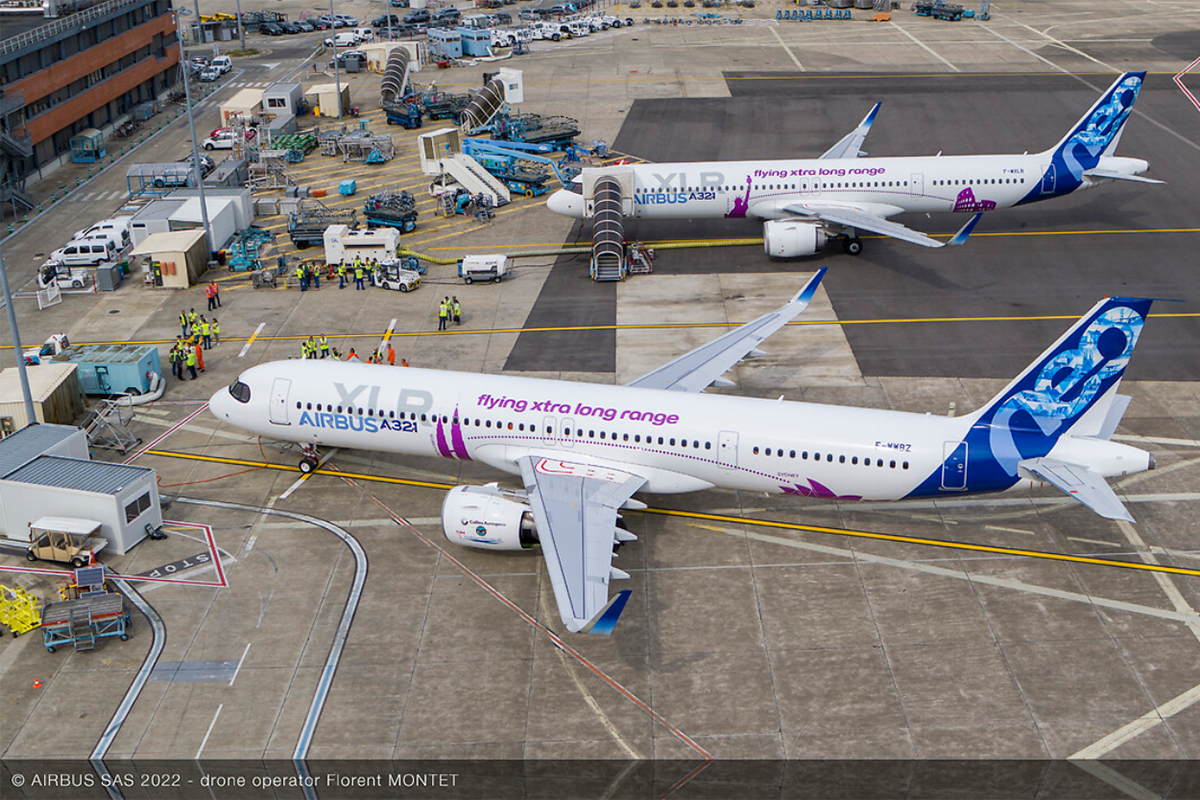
{"x":86,"y":68}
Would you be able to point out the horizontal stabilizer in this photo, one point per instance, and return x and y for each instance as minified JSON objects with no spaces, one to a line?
{"x":1113,"y":175}
{"x":1120,"y":402}
{"x":1080,"y":483}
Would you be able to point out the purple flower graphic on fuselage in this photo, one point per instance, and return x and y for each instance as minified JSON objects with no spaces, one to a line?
{"x":740,"y":204}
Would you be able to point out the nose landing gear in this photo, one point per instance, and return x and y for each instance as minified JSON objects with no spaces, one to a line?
{"x":309,"y":459}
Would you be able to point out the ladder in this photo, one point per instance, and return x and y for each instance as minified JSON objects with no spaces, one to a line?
{"x":82,"y":634}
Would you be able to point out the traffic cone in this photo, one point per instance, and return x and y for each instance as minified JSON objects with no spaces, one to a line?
{"x":37,"y":684}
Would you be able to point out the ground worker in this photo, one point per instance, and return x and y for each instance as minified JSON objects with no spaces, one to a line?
{"x":216,"y":330}
{"x":212,"y":298}
{"x":183,"y":322}
{"x":352,"y":356}
{"x":216,"y":290}
{"x":341,"y":271}
{"x":391,"y":355}
{"x":191,"y":362}
{"x":199,"y":357}
{"x":193,"y":318}
{"x":359,"y":274}
{"x":315,"y":271}
{"x":206,"y":332}
{"x":443,"y":313}
{"x":324,"y":346}
{"x":302,"y":277}
{"x":456,"y":309}
{"x":176,"y":364}
{"x":404,"y":362}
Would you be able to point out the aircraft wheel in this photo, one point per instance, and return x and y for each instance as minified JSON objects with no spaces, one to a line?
{"x":853,"y":246}
{"x":307,"y":465}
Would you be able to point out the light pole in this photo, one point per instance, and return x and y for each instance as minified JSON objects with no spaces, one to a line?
{"x":241,"y":28}
{"x":30,"y":415}
{"x":187,"y":98}
{"x":337,"y":75}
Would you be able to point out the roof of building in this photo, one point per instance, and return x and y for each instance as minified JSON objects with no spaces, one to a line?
{"x":169,"y":242}
{"x":19,"y":448}
{"x":244,"y":99}
{"x":44,"y":381}
{"x":158,"y":209}
{"x":101,"y":477}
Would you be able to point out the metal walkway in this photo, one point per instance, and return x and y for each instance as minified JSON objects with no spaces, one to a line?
{"x":608,"y":231}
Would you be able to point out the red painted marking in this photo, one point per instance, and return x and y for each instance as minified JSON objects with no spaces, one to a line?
{"x":554,"y":638}
{"x":169,"y":431}
{"x":1184,"y":89}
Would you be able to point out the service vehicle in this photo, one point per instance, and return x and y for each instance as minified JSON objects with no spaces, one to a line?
{"x":554,"y":31}
{"x":390,"y":275}
{"x":222,"y":63}
{"x":68,"y":540}
{"x":208,"y":75}
{"x":223,"y":138}
{"x":55,"y":272}
{"x":480,"y":269}
{"x":86,"y":252}
{"x":417,"y":15}
{"x":343,"y":39}
{"x":364,"y":34}
{"x":117,"y":227}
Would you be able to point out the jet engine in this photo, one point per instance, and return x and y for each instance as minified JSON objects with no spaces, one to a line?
{"x":488,"y":518}
{"x":787,"y":238}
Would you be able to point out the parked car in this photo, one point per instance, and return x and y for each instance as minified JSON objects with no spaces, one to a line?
{"x":345,"y":54}
{"x":117,"y":227}
{"x":209,"y":74}
{"x":364,"y":34}
{"x":223,"y":138}
{"x":270,"y":29}
{"x":398,"y":3}
{"x":343,"y":39}
{"x":222,"y":64}
{"x":86,"y":252}
{"x":289,"y":27}
{"x":319,"y":24}
{"x":331,"y":21}
{"x":304,"y":25}
{"x":347,"y":20}
{"x":417,"y":15}
{"x":387,"y":20}
{"x":447,"y":14}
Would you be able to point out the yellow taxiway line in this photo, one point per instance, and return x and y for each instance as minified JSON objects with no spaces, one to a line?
{"x":762,"y":523}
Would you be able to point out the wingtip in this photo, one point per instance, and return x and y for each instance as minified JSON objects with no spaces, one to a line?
{"x":810,"y":288}
{"x":604,"y":622}
{"x":965,"y":230}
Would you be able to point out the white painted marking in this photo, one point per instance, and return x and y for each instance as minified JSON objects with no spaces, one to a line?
{"x":209,"y":731}
{"x":1093,"y":541}
{"x":86,"y":198}
{"x":250,"y":542}
{"x":241,"y":661}
{"x":266,"y":605}
{"x":250,"y":341}
{"x":787,"y":49}
{"x":924,"y":46}
{"x":300,"y":481}
{"x":1116,"y":780}
{"x":1149,"y":720}
{"x":1003,"y":529}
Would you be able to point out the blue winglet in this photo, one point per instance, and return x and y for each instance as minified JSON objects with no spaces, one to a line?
{"x":810,"y":288}
{"x":870,"y":118}
{"x":604,"y":622}
{"x":965,"y":230}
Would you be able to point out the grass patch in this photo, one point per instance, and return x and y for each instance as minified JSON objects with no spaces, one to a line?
{"x":249,"y":51}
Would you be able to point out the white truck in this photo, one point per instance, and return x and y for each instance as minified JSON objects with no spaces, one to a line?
{"x":483,"y":268}
{"x":390,"y":275}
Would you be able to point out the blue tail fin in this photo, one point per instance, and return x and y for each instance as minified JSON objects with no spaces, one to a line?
{"x":1076,"y":375}
{"x":1096,"y":133}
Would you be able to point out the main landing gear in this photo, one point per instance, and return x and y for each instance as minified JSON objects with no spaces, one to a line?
{"x":309,"y":458}
{"x":852,"y":245}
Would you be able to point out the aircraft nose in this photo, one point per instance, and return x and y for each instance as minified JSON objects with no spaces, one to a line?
{"x":218,"y":404}
{"x":566,"y":203}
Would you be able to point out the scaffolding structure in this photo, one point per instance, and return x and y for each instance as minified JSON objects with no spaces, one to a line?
{"x":357,"y":145}
{"x":107,"y":426}
{"x":270,"y":172}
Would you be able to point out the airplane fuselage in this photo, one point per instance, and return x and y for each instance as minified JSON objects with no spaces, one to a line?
{"x":773,"y":189}
{"x":678,"y":441}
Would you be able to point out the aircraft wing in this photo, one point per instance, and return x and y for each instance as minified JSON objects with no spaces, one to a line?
{"x":702,"y":367}
{"x":575,"y":509}
{"x":845,"y":215}
{"x":1080,"y":483}
{"x":848,"y":146}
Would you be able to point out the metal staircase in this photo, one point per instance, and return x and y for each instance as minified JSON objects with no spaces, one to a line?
{"x":83,"y":635}
{"x":16,"y":147}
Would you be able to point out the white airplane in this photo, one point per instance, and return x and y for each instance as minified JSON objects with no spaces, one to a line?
{"x":805,"y":202}
{"x":583,"y":450}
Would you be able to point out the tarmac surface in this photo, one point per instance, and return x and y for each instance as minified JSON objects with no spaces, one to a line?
{"x":341,"y":625}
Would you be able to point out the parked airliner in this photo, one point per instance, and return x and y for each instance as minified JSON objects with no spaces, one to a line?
{"x":582,"y":450}
{"x":805,"y":202}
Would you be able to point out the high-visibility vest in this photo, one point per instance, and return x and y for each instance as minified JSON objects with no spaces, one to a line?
{"x":206,"y":329}
{"x":191,"y":358}
{"x":300,"y":271}
{"x":358,"y":272}
{"x":193,"y":317}
{"x":342,"y":268}
{"x":183,"y":318}
{"x":216,"y":329}
{"x":457,"y":308}
{"x":324,"y":343}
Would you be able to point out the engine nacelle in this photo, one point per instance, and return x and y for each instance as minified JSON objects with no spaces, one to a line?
{"x":785,"y":238}
{"x":488,"y":518}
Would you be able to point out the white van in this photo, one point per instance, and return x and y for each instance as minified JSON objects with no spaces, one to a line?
{"x":86,"y":252}
{"x":116,"y":228}
{"x":222,"y":64}
{"x":343,"y":39}
{"x":364,"y":34}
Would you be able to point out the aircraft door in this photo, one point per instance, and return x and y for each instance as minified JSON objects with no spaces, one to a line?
{"x":279,"y":401}
{"x":565,"y":436}
{"x":727,"y":449}
{"x":1048,"y":180}
{"x":954,"y":466}
{"x":917,"y":184}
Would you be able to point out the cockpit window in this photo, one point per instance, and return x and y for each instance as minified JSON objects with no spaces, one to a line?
{"x":240,"y":391}
{"x":575,"y":187}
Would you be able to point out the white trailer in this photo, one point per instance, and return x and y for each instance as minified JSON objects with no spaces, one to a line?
{"x":483,"y":268}
{"x":343,"y":244}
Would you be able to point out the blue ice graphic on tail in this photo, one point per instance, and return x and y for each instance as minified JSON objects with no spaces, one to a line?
{"x":1092,"y":136}
{"x":1027,"y":419}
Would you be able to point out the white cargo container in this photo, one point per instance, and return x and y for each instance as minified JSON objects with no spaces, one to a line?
{"x":474,"y":269}
{"x":343,"y":244}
